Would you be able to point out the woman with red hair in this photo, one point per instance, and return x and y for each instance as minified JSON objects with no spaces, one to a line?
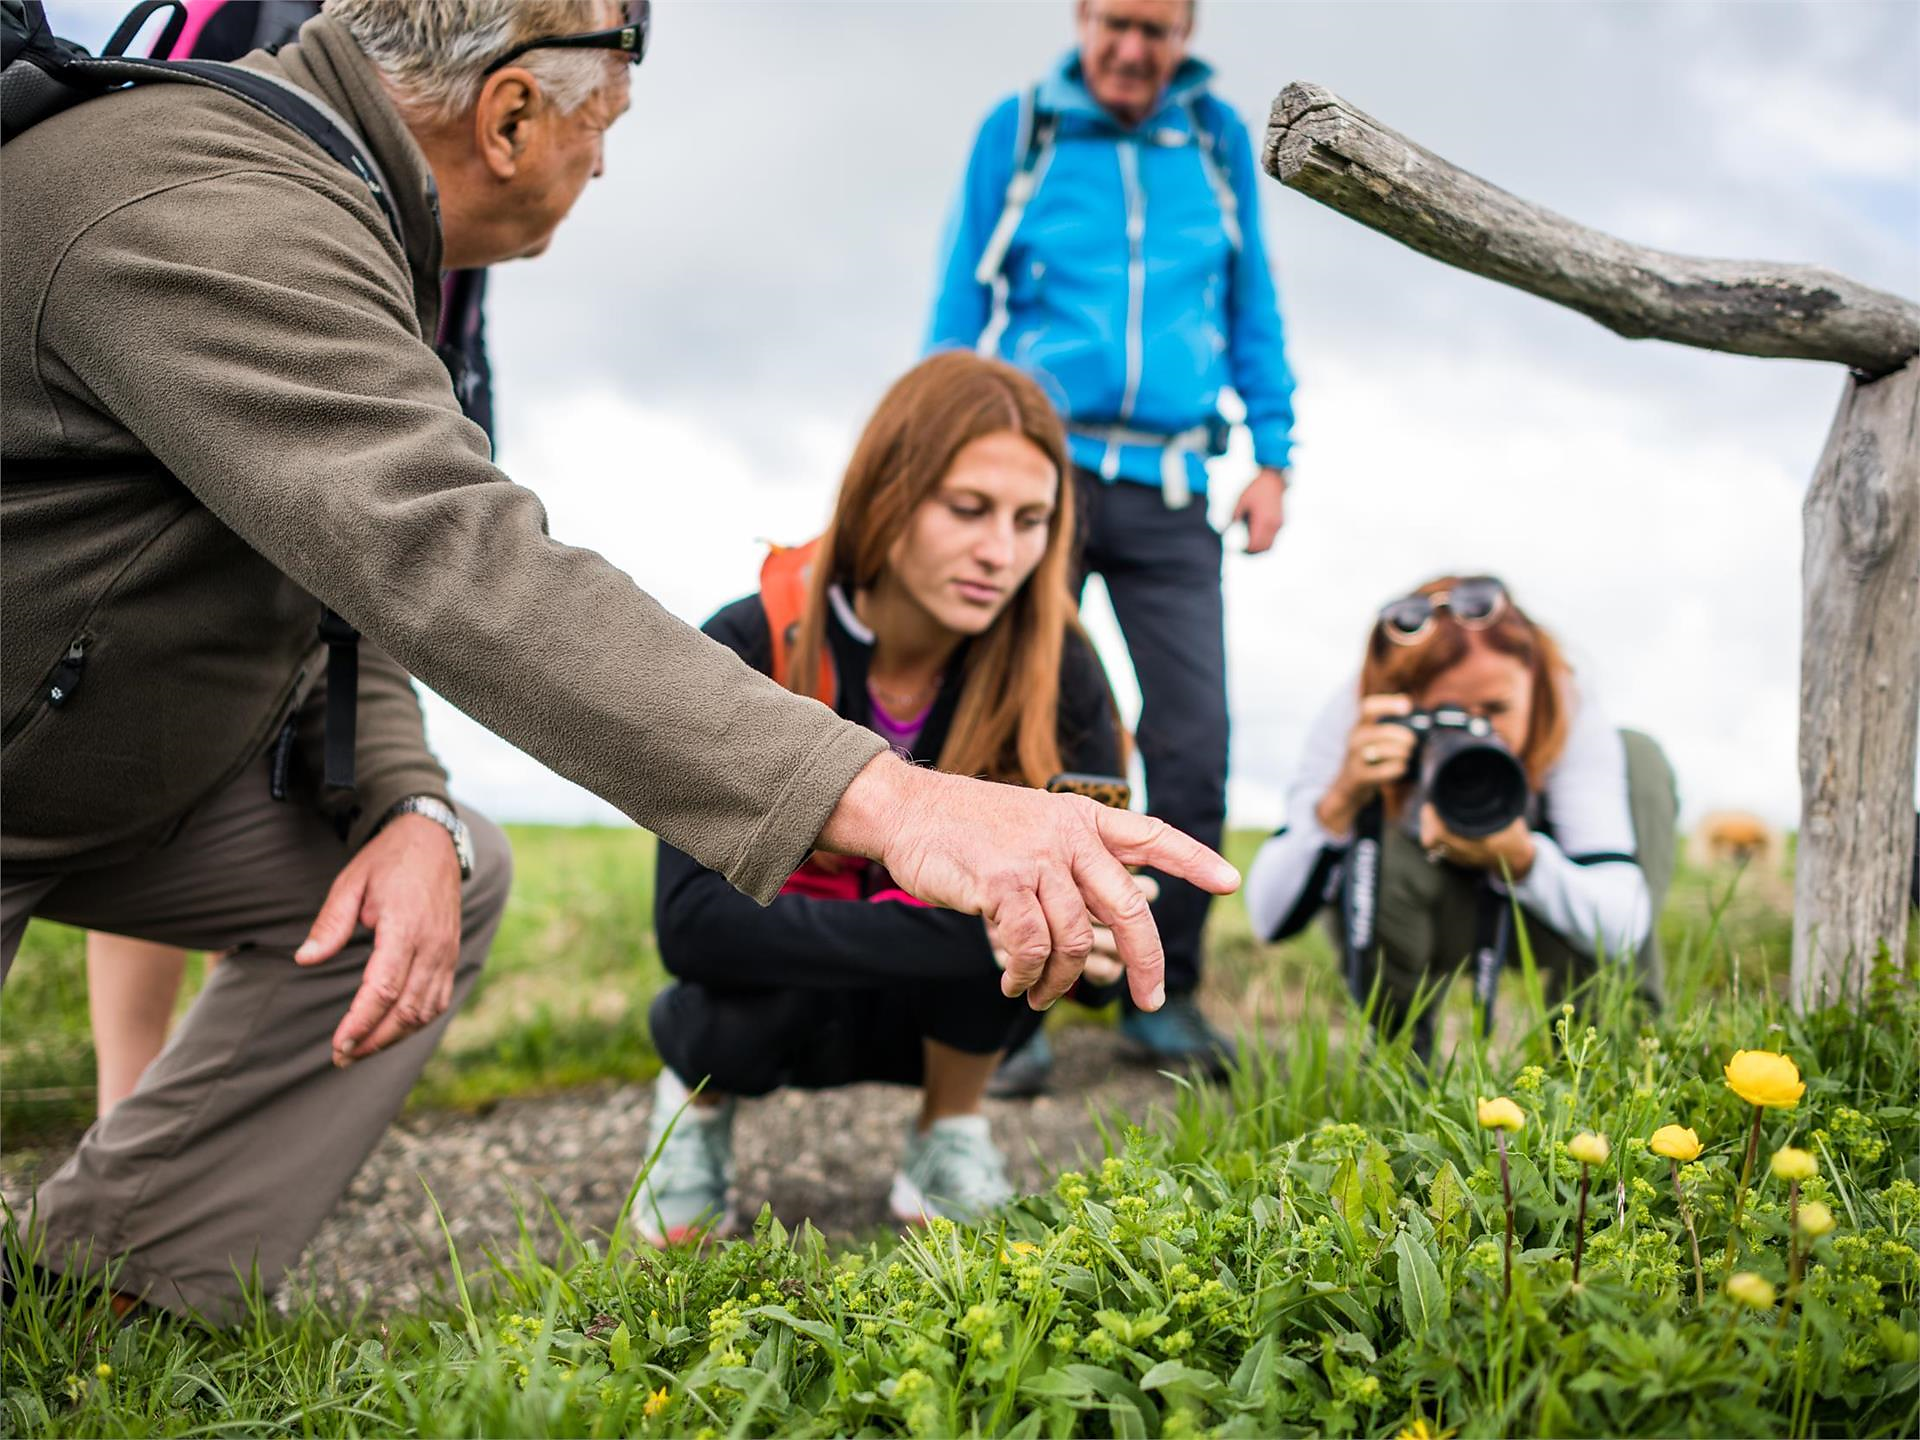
{"x":1588,"y":860}
{"x":935,"y":610}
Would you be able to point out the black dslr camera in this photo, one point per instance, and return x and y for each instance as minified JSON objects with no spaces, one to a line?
{"x":1465,"y":771}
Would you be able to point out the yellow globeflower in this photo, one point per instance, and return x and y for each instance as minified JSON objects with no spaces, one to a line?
{"x":1815,"y":1219}
{"x":1501,"y":1114}
{"x":1589,"y":1148}
{"x":1791,"y":1164}
{"x":1676,"y":1142}
{"x":1751,"y":1289}
{"x":1761,"y":1077}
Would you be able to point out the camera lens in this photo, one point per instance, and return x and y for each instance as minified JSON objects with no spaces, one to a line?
{"x":1474,"y":783}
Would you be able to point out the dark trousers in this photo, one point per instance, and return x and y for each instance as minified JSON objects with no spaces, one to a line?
{"x":1162,"y":570}
{"x":753,"y":1041}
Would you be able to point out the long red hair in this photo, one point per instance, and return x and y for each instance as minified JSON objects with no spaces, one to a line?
{"x":1395,"y":669}
{"x":1006,"y":725}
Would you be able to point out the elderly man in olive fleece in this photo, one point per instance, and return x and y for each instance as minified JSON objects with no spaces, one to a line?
{"x":224,"y":409}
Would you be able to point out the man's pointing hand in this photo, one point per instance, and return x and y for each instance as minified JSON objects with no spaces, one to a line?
{"x":1040,"y":869}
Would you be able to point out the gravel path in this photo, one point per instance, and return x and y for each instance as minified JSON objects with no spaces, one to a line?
{"x":824,"y":1156}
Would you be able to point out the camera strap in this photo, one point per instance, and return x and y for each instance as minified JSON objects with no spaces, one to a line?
{"x":1492,"y":932}
{"x":1360,"y":898}
{"x":1360,"y":911}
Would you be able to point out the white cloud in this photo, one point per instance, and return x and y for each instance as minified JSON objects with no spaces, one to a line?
{"x":1779,"y":117}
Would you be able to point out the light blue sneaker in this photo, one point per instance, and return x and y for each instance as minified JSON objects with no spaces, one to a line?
{"x":952,"y":1172}
{"x":684,"y":1195}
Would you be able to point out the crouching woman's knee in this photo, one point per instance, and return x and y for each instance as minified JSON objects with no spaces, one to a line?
{"x":483,"y":898}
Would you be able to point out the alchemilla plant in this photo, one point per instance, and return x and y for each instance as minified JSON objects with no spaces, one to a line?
{"x":1704,"y":1224}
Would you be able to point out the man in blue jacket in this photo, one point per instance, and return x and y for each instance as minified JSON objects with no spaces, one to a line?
{"x":1108,"y":240}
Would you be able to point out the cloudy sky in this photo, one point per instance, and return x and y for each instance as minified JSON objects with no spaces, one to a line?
{"x":682,"y":376}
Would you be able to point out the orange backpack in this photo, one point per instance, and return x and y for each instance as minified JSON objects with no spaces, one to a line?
{"x":785,"y":577}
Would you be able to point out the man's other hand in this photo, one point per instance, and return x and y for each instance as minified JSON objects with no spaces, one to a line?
{"x":404,"y":885}
{"x":1042,"y":870}
{"x":1263,"y":506}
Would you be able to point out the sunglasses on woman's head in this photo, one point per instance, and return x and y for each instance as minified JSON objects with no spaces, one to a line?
{"x":1474,"y":603}
{"x":630,"y":37}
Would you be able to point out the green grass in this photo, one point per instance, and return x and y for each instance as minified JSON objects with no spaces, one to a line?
{"x":563,"y":1000}
{"x":1314,"y":1249}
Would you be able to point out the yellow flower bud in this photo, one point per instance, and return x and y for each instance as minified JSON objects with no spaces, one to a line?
{"x":1791,"y":1164}
{"x":1815,"y":1219}
{"x":1589,"y":1148}
{"x":1501,"y":1114}
{"x":1761,"y":1077}
{"x":1676,"y":1142}
{"x":103,"y":1370}
{"x":1751,"y":1289}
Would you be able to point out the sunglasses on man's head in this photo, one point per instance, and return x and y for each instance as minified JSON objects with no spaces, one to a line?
{"x":1474,"y":603}
{"x":630,"y":37}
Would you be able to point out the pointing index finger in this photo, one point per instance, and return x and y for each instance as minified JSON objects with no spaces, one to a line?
{"x":1134,"y":839}
{"x":1118,"y":903}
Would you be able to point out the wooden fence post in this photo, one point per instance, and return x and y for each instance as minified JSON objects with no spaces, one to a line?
{"x":1859,"y":690}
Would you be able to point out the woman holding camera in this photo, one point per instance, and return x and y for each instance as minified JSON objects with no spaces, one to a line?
{"x":1588,"y":852}
{"x":935,"y":610}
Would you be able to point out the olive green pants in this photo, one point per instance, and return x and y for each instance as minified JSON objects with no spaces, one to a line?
{"x":1429,"y":914}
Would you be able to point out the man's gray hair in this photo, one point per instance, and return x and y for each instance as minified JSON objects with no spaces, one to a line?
{"x":435,"y":52}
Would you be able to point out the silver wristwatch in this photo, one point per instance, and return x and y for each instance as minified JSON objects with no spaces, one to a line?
{"x":442,"y":815}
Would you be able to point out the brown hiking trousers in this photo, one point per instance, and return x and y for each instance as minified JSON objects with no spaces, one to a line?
{"x":242,"y":1135}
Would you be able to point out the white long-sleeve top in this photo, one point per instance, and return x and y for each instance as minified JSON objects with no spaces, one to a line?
{"x":1585,"y":884}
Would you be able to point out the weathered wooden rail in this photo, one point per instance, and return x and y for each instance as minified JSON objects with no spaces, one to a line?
{"x":1860,"y":635}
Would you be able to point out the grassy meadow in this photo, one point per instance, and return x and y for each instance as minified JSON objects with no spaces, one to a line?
{"x":1332,"y":1244}
{"x":563,"y":1000}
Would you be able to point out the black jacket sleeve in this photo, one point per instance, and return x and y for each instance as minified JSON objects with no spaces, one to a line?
{"x":709,"y":931}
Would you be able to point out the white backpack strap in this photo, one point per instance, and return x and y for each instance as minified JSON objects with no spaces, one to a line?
{"x":1216,"y":176}
{"x":1033,"y":147}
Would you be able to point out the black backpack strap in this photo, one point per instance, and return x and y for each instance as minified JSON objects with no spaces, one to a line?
{"x":343,"y":690}
{"x":130,"y":27}
{"x":300,"y":109}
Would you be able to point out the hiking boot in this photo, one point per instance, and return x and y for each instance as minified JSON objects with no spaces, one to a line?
{"x":1177,"y":1036}
{"x":684,"y":1195}
{"x":953,"y":1172}
{"x":1023,"y":1073}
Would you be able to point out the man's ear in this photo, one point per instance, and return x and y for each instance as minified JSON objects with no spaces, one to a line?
{"x":509,"y":102}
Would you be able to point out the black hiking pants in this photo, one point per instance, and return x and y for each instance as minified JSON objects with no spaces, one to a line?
{"x":753,"y":1040}
{"x":1162,"y":572}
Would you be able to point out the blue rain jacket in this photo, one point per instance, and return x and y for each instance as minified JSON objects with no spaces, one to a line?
{"x":1137,"y":326}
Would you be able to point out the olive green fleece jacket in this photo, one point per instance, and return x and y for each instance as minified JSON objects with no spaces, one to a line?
{"x":221,"y":408}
